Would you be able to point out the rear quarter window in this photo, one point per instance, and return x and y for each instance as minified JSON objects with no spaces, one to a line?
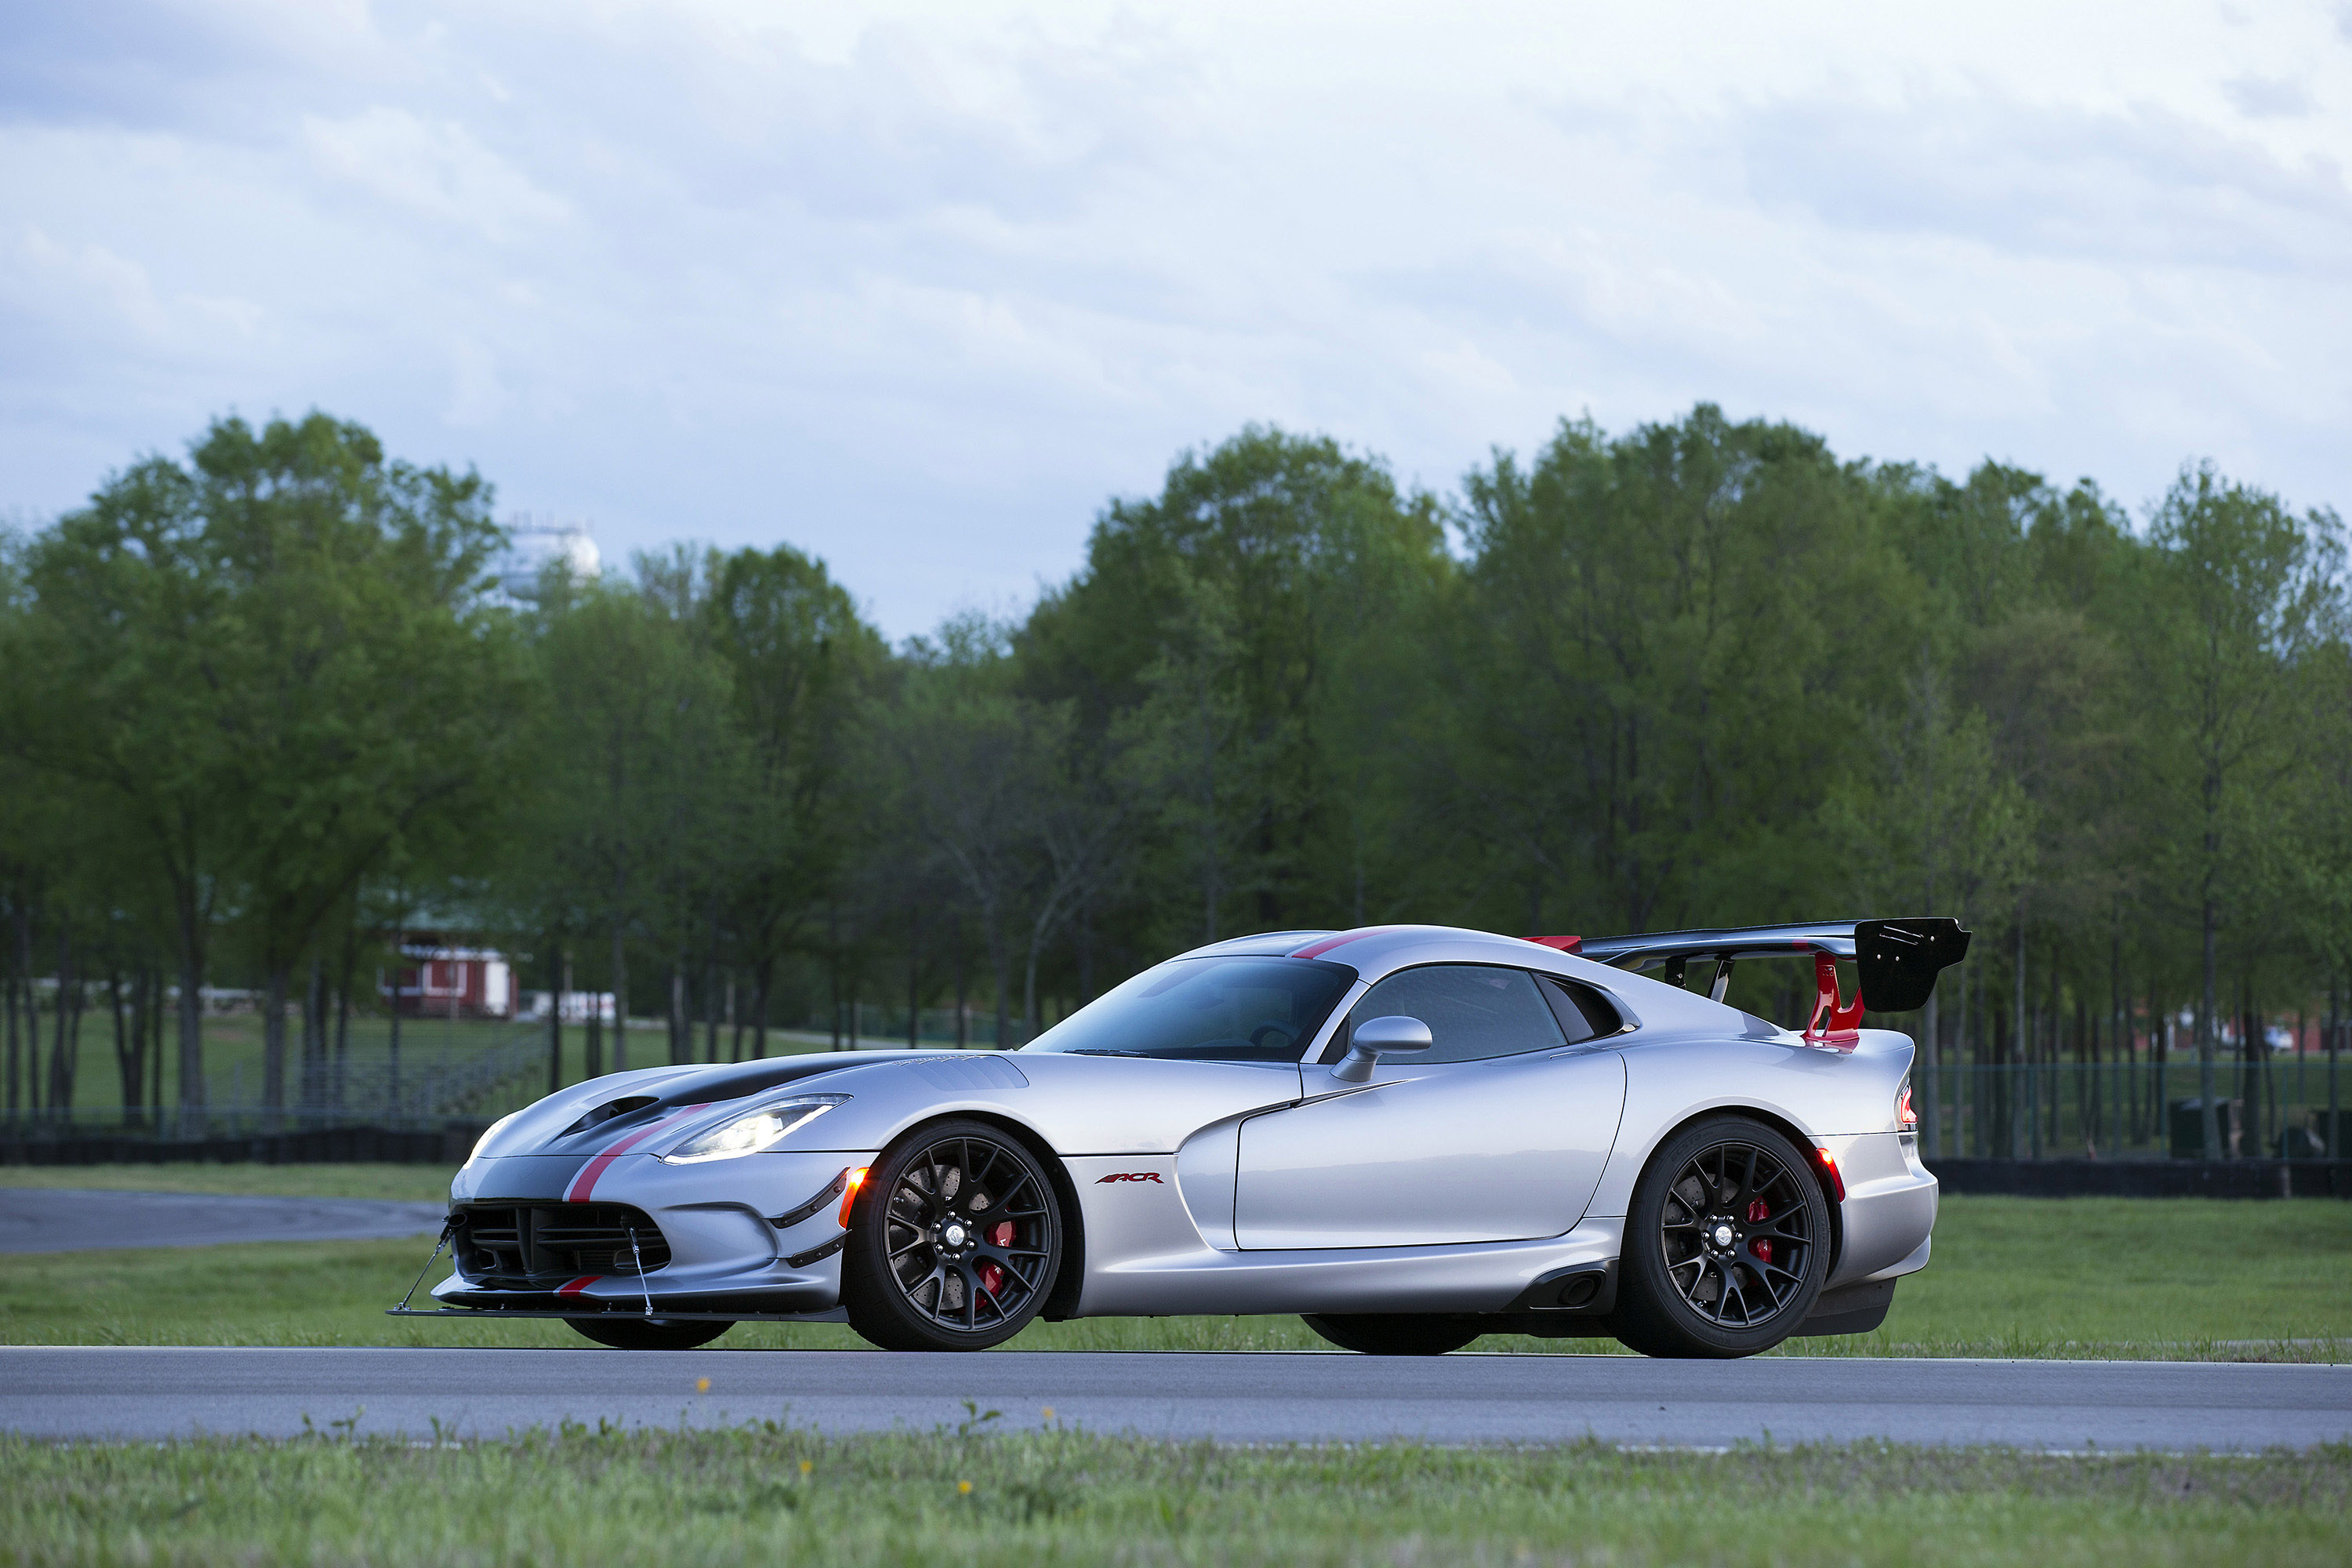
{"x":1584,"y":1014}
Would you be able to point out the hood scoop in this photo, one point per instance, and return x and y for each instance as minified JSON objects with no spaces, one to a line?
{"x":607,"y":1111}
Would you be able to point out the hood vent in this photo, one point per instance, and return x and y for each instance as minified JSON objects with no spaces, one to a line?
{"x":607,"y":1111}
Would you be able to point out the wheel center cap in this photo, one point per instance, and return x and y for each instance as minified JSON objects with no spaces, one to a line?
{"x":1723,"y":1236}
{"x":953,"y":1235}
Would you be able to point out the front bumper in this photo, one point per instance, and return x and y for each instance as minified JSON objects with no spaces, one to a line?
{"x":758,"y":1236}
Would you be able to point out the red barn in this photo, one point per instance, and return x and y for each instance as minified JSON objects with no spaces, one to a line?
{"x":440,"y":980}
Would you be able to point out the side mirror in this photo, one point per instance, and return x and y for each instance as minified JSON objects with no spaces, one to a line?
{"x":1375,"y":1037}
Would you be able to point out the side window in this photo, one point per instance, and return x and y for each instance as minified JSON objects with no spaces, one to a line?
{"x":1583,"y":1012}
{"x":1473,"y":1011}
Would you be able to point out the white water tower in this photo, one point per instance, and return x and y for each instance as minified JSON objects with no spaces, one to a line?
{"x":536,"y":543}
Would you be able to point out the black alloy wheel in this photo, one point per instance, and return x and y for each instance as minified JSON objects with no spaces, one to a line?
{"x":953,"y":1241}
{"x":1395,"y":1333}
{"x":649,"y":1333}
{"x":1726,"y":1244}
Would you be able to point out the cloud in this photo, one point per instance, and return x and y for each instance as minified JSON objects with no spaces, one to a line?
{"x":434,"y":169}
{"x":2268,"y":97}
{"x":222,"y":67}
{"x":918,"y":284}
{"x":477,"y":396}
{"x":2143,"y":185}
{"x":97,"y":280}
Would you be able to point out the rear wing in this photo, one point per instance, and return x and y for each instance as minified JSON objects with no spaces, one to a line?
{"x":1899,"y":959}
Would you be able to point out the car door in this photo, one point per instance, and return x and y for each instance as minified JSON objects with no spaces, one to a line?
{"x":1498,"y":1132}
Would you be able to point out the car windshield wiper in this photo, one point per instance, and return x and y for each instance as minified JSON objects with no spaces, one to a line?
{"x":1094,"y":1051}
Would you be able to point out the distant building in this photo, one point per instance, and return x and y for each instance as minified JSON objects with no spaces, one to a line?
{"x":441,"y":980}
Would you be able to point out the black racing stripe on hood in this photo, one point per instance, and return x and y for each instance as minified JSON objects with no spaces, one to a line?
{"x":713,"y":1085}
{"x":528,"y":1178}
{"x":736,"y":1079}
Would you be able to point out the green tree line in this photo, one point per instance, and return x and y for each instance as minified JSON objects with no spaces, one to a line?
{"x":264,"y":705}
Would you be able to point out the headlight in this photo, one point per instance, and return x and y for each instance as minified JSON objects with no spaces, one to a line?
{"x":489,"y":1132}
{"x":754,"y":1131}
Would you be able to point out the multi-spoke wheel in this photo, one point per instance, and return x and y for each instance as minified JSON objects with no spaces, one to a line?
{"x":1726,"y":1243}
{"x":953,"y":1241}
{"x":649,"y":1333}
{"x":1395,"y":1333}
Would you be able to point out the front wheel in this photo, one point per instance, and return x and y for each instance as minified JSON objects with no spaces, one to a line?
{"x":1726,"y":1243}
{"x":1395,"y":1333}
{"x":648,"y":1333}
{"x":954,"y":1241}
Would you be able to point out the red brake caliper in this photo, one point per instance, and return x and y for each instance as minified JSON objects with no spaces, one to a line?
{"x":992,"y":1278}
{"x":1758,"y":1212}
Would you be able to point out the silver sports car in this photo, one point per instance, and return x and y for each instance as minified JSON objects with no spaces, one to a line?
{"x":1410,"y":1135}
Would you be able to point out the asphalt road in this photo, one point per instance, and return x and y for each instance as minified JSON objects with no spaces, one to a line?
{"x":132,"y":1392}
{"x":73,"y":1219}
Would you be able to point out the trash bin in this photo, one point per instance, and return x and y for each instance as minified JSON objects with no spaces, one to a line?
{"x":2188,"y":1122}
{"x":2300,"y":1142}
{"x":2320,"y":1145}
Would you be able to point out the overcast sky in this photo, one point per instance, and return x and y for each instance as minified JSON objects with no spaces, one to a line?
{"x":916,"y":286}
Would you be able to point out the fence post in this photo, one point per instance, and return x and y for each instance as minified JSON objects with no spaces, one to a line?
{"x":2335,"y":1113}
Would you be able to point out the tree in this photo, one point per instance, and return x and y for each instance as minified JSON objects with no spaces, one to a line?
{"x":1204,"y":640}
{"x":803,"y":665}
{"x":2249,"y":595}
{"x":1937,"y":826}
{"x":620,"y":837}
{"x":359,"y":677}
{"x":122,"y":662}
{"x":963,"y":749}
{"x":1664,"y":649}
{"x":1211,"y":772}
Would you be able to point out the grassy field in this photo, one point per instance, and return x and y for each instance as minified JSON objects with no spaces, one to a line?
{"x":413,"y":1184}
{"x":233,"y":1054}
{"x":2011,"y":1277}
{"x":1041,"y":1494}
{"x":2086,"y":1276}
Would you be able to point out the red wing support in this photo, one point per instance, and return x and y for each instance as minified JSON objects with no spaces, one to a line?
{"x":1833,"y":1024}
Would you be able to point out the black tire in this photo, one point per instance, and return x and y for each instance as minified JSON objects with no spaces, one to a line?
{"x":1726,"y":1243}
{"x":954,"y":1240}
{"x":1395,"y":1333}
{"x":649,"y":1333}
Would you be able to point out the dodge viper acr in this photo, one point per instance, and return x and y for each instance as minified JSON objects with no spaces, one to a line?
{"x":1410,"y":1135}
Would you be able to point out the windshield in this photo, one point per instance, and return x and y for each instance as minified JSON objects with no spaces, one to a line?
{"x":1206,"y":1009}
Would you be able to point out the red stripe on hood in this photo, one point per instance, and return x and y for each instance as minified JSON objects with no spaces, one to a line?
{"x":584,"y":1184}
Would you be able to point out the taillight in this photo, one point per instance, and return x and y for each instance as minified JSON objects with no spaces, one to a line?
{"x":1906,"y":1119}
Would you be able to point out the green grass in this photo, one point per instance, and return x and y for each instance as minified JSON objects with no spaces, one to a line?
{"x":770,"y":1493}
{"x":233,"y":1054}
{"x":411,"y":1183}
{"x":2167,"y":1279}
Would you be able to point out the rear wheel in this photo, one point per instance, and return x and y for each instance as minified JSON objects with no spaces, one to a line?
{"x":649,"y":1333}
{"x":1726,"y":1243}
{"x":953,"y":1241}
{"x":1395,"y":1333}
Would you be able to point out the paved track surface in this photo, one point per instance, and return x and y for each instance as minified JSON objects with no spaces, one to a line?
{"x":155,"y":1393}
{"x":72,"y":1219}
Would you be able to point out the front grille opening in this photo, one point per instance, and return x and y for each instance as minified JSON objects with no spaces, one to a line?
{"x":527,"y":1247}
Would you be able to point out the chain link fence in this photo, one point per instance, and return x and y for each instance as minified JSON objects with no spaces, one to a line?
{"x":2280,"y":1109}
